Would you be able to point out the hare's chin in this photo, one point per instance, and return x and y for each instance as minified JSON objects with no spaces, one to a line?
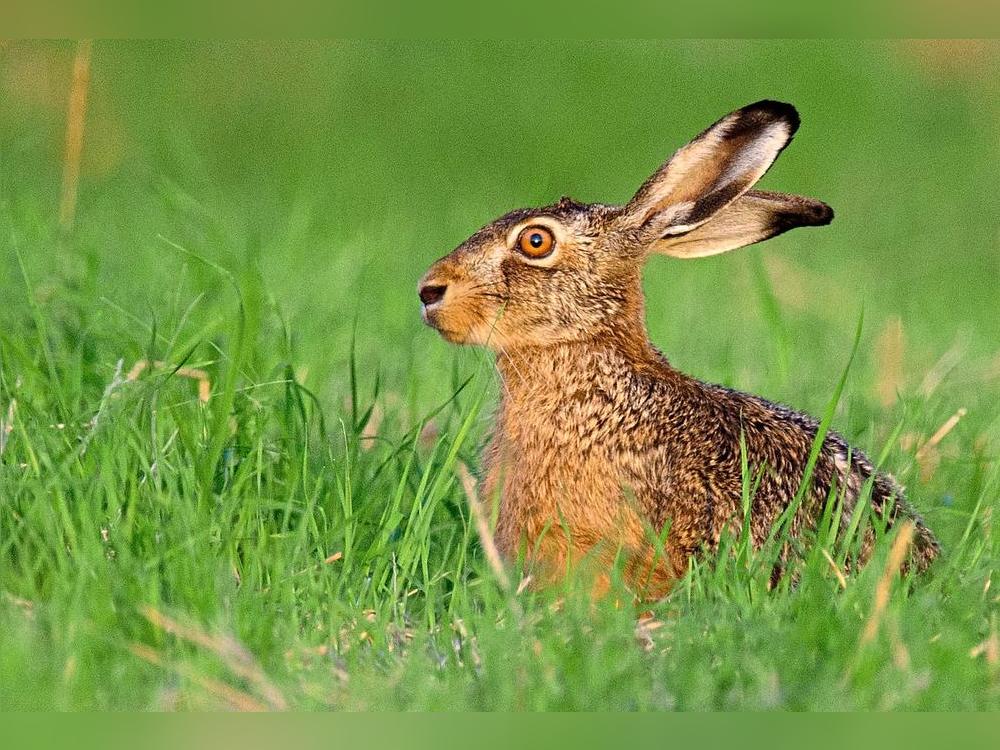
{"x":453,"y":337}
{"x":450,"y":335}
{"x":433,"y":320}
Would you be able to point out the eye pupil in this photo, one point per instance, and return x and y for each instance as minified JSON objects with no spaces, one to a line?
{"x":536,"y":240}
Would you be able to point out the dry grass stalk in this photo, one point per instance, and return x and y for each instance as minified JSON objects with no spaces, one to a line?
{"x":370,"y":433}
{"x":204,"y":382}
{"x":836,"y":570}
{"x":483,"y":527}
{"x":990,"y":649}
{"x":928,"y":455}
{"x":797,"y":290}
{"x":645,"y":626}
{"x":897,"y":554}
{"x":239,"y":661}
{"x":236,"y":699}
{"x":970,"y":59}
{"x":940,"y":369}
{"x":109,"y":392}
{"x":26,"y":606}
{"x":900,"y":653}
{"x":992,"y":368}
{"x":942,"y":431}
{"x":429,"y":434}
{"x":75,"y":116}
{"x":334,"y":557}
{"x":7,"y":425}
{"x":889,"y":352}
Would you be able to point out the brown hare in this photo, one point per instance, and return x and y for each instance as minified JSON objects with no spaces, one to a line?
{"x":598,"y":439}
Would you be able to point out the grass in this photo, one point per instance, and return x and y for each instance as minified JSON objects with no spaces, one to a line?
{"x":256,"y":216}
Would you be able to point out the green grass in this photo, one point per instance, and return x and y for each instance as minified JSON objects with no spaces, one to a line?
{"x":262,"y":213}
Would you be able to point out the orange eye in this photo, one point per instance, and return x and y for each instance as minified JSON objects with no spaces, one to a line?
{"x":536,"y":242}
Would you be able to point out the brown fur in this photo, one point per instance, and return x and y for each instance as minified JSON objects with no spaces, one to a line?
{"x":598,"y":440}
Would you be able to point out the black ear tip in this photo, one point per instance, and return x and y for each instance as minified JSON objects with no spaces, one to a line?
{"x":821,"y":214}
{"x":801,"y":212}
{"x":769,"y":109}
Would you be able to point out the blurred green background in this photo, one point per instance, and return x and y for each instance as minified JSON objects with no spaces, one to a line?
{"x":344,"y":169}
{"x":325,"y":177}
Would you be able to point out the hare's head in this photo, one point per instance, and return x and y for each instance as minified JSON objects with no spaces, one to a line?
{"x":571,"y":270}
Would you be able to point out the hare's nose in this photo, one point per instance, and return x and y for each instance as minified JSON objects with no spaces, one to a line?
{"x":432,"y":293}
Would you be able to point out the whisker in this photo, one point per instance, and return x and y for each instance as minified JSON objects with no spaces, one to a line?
{"x":478,"y":290}
{"x":495,"y":328}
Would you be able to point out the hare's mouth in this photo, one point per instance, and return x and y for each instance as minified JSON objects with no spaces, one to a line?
{"x":432,"y":316}
{"x":457,"y":323}
{"x":429,"y":315}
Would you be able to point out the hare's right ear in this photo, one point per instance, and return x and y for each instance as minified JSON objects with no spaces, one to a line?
{"x":709,"y":176}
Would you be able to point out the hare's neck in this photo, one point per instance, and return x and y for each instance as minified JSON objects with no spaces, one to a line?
{"x":543,"y":379}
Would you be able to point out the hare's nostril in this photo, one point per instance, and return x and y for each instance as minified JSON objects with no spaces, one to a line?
{"x":431,"y":293}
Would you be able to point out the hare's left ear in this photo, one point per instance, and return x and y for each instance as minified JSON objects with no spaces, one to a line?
{"x":700,"y":203}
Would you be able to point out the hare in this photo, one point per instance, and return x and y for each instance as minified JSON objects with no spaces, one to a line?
{"x":598,"y":440}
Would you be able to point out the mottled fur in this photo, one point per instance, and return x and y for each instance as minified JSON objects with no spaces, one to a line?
{"x":598,"y":440}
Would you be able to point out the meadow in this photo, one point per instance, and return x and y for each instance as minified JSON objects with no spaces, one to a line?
{"x":235,"y":466}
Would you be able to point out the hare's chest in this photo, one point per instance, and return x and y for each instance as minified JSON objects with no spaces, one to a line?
{"x":549,"y":485}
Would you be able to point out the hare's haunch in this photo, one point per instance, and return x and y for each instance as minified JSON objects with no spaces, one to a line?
{"x":598,"y":440}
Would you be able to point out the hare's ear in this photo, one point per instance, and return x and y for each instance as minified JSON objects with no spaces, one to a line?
{"x":752,"y":217}
{"x":711,"y":172}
